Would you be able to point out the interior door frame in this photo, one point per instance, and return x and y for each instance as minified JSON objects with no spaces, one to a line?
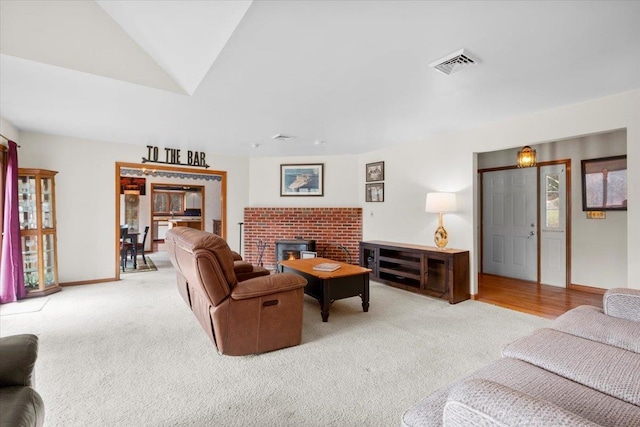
{"x":120,"y":165}
{"x":567,"y":164}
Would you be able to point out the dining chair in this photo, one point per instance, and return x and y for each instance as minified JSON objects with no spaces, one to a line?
{"x":126,"y":245}
{"x":140,"y":246}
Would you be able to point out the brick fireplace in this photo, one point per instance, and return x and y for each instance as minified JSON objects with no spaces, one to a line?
{"x":336,"y":231}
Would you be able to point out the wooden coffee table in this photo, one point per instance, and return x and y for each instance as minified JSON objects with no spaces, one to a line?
{"x":347,"y":281}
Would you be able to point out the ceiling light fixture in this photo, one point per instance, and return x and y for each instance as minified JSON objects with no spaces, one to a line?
{"x":254,"y":145}
{"x":318,"y":142}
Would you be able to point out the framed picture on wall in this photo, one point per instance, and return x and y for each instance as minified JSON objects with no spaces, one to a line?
{"x":604,"y":184}
{"x":302,"y":179}
{"x":375,"y":172}
{"x":374,"y":192}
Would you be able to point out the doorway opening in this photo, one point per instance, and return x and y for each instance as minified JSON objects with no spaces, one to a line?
{"x":590,"y":256}
{"x":526,"y":223}
{"x":167,"y":196}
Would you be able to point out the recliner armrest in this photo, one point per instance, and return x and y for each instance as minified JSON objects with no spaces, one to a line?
{"x":18,"y":354}
{"x":484,"y":402}
{"x":622,"y":303}
{"x":242,"y":267}
{"x":266,"y":285}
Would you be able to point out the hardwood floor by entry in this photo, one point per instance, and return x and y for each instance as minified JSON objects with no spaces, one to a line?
{"x":541,"y":300}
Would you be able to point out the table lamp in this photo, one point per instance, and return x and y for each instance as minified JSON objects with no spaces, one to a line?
{"x":441,"y":203}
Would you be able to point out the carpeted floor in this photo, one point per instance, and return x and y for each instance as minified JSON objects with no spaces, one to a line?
{"x":130,"y":353}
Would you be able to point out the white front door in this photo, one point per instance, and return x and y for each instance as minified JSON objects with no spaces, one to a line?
{"x":509,"y":223}
{"x":553,"y":224}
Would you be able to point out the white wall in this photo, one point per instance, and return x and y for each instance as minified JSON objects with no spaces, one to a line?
{"x":340,"y":182}
{"x":85,"y":197}
{"x":9,"y":131}
{"x":594,"y":243}
{"x":86,"y":202}
{"x":447,"y":163}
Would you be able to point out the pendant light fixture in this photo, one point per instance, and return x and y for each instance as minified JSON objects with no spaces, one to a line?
{"x":526,"y":157}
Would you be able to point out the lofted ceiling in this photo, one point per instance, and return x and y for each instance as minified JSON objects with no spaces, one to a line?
{"x":225,"y":76}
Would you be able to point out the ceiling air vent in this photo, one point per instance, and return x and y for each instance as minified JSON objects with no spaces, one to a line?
{"x":454,"y":62}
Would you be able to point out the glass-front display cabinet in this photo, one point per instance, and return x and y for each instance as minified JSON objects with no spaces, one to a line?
{"x":36,"y":208}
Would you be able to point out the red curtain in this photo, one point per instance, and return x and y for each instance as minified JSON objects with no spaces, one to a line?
{"x":11,"y":271}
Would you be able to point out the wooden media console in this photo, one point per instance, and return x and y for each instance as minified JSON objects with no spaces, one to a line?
{"x":423,"y":269}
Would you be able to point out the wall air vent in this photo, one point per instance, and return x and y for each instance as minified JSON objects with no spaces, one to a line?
{"x":454,"y":62}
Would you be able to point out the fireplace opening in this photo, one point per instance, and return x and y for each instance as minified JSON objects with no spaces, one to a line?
{"x":290,"y":249}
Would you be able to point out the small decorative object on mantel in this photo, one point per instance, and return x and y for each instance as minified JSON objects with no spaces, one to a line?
{"x":375,"y":172}
{"x":173,"y":156}
{"x":374,"y":192}
{"x":302,"y":179}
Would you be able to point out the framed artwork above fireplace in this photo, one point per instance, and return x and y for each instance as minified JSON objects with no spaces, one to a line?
{"x":302,"y":179}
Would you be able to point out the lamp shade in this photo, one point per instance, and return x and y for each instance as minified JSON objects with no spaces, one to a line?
{"x":441,"y":202}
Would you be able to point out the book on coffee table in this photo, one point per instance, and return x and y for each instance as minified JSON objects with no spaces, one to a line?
{"x":326,"y":266}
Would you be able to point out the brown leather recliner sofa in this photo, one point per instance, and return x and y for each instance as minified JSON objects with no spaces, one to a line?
{"x":245,"y":270}
{"x":20,"y":404}
{"x":252,"y":316}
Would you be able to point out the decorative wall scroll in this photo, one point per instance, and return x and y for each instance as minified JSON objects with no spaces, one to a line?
{"x":175,"y":156}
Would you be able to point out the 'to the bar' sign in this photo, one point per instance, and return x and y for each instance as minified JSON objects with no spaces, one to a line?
{"x":173,"y":156}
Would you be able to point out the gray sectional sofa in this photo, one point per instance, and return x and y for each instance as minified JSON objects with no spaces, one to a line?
{"x":582,"y":371}
{"x":20,"y":404}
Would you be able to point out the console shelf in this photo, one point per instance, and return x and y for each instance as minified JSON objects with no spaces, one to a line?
{"x":424,"y":269}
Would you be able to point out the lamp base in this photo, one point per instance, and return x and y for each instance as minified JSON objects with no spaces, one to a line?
{"x":441,"y":237}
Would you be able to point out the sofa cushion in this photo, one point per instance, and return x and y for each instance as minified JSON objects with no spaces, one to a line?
{"x":591,"y":323}
{"x":521,"y":376}
{"x":19,"y":354}
{"x":267,"y":285}
{"x":486,"y":403}
{"x":242,"y":267}
{"x":609,"y":369}
{"x":20,"y":407}
{"x":192,"y":241}
{"x":256,"y":272}
{"x":622,"y":303}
